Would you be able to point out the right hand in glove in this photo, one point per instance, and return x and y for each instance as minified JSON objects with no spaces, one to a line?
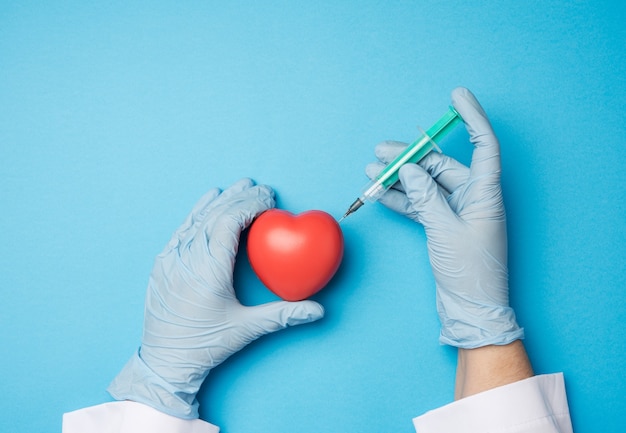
{"x":462,"y":211}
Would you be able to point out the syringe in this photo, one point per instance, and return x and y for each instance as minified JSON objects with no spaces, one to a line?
{"x":412,"y":154}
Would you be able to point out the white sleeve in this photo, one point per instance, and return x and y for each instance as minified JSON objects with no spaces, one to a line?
{"x":130,"y":417}
{"x":537,"y":405}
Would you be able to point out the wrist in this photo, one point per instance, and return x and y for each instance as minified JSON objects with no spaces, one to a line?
{"x":489,"y":367}
{"x":138,"y":382}
{"x":469,"y":323}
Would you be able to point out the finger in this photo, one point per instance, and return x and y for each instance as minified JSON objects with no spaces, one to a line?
{"x":372,"y":170}
{"x":194,"y":217}
{"x":395,"y":198}
{"x":216,"y":245}
{"x":241,"y":185}
{"x":398,"y":202}
{"x":225,"y":225}
{"x":274,"y":316}
{"x":427,"y":204}
{"x":447,"y":172}
{"x":486,"y":155}
{"x":200,"y":210}
{"x":228,"y":193}
{"x":387,"y":151}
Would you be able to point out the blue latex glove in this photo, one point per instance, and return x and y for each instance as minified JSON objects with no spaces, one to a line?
{"x":193,"y":320}
{"x":462,"y":211}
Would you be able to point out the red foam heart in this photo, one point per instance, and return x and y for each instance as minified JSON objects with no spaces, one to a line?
{"x":295,"y":256}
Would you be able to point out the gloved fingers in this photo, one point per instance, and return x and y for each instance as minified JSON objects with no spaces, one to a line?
{"x":446,"y":171}
{"x":387,"y":151}
{"x":202,"y":208}
{"x":237,"y":187}
{"x":395,"y":198}
{"x":194,"y":218}
{"x":427,"y":204}
{"x":486,"y":155}
{"x":398,"y":202}
{"x":224,"y":197}
{"x":277,"y":315}
{"x":373,"y":169}
{"x":236,"y":197}
{"x":214,"y":248}
{"x":227,"y":195}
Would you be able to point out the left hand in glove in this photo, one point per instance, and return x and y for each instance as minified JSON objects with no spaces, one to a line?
{"x":193,"y":320}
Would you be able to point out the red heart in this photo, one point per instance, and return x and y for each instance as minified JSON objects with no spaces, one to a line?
{"x":295,"y":256}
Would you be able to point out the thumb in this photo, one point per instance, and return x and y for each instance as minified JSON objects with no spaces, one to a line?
{"x":486,"y":155}
{"x":428,"y":204}
{"x":275,"y":316}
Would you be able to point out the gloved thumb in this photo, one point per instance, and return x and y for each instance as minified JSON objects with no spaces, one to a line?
{"x":277,"y":315}
{"x":428,"y":205}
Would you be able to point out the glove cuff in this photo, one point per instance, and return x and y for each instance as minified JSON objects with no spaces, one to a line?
{"x":500,"y":340}
{"x":137,"y":382}
{"x":496,"y":326}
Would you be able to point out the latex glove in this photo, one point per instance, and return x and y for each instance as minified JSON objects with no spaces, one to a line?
{"x":193,"y":320}
{"x":462,"y":211}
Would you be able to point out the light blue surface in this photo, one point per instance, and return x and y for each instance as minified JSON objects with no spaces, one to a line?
{"x":116,"y":117}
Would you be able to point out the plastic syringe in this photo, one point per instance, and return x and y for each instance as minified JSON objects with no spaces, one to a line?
{"x":412,"y":154}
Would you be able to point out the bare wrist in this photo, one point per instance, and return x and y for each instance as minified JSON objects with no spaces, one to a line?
{"x":489,"y":367}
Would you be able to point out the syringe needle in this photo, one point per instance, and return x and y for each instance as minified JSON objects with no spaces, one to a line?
{"x":353,"y":207}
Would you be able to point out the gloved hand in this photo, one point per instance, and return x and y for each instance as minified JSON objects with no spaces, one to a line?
{"x":463,"y":215}
{"x":193,"y":320}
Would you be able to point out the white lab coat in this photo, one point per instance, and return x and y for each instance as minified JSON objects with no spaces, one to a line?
{"x":537,"y":405}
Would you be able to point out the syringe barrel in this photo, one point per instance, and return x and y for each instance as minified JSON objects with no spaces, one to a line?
{"x":415,"y":151}
{"x":374,"y":189}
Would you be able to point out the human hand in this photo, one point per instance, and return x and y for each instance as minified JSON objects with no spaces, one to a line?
{"x":462,"y":211}
{"x":193,"y":320}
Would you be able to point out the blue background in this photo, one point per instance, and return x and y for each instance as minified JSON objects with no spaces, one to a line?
{"x":115,"y":118}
